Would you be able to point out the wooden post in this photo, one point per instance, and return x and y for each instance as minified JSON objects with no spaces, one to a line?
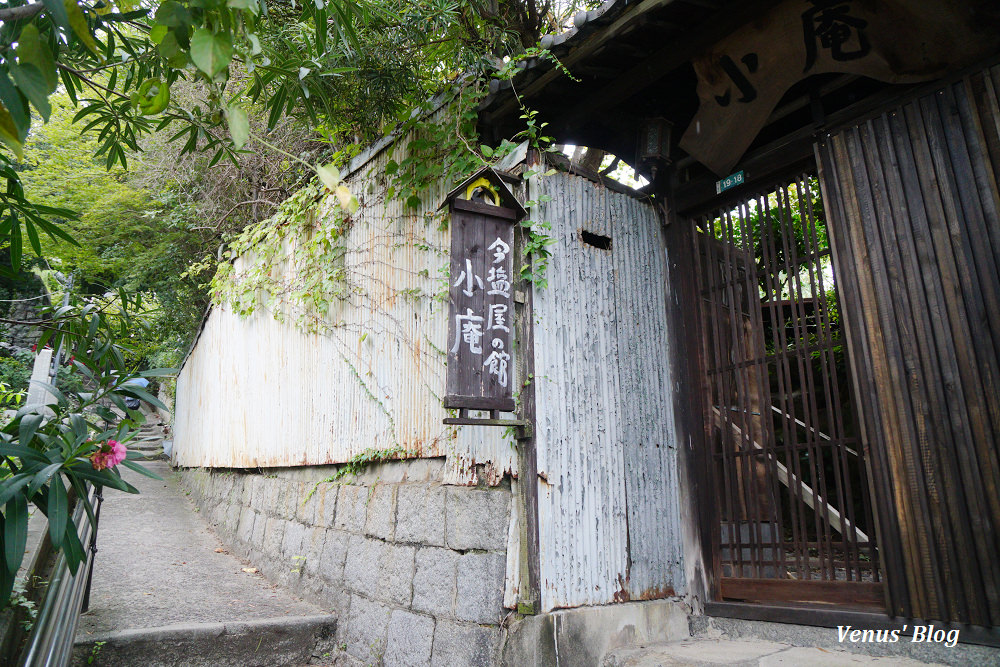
{"x":701,"y":505}
{"x":527,"y":460}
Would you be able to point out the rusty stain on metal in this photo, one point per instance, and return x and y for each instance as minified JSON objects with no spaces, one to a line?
{"x":621,"y":593}
{"x":657,"y":593}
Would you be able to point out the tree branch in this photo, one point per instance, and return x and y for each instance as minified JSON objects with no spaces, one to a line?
{"x":22,"y":12}
{"x":90,"y":82}
{"x":236,"y":206}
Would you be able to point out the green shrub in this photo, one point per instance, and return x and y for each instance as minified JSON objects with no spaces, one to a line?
{"x":15,"y":371}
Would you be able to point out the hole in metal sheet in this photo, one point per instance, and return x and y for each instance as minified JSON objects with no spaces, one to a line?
{"x":596,"y":240}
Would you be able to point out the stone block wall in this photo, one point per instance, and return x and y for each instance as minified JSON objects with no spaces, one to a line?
{"x":413,"y":568}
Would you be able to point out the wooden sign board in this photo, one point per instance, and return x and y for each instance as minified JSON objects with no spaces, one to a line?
{"x":743,"y":77}
{"x":481,"y":300}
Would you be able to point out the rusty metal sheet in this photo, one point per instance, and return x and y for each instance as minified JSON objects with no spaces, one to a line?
{"x":609,"y":521}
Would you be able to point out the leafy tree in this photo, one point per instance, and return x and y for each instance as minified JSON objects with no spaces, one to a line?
{"x":219,"y":77}
{"x":348,"y":66}
{"x":109,"y":228}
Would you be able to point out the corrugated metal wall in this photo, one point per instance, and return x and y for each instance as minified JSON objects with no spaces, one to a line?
{"x":915,"y":211}
{"x":609,"y":520}
{"x":257,"y":392}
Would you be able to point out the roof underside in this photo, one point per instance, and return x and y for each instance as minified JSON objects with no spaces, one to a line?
{"x":632,"y":60}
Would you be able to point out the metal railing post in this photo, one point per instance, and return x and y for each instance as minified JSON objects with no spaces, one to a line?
{"x":99,"y":495}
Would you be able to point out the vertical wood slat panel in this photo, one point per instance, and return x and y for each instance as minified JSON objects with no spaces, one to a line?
{"x":895,"y":540}
{"x":915,"y":219}
{"x":953,"y":152}
{"x":898,"y":316}
{"x":947,"y":416}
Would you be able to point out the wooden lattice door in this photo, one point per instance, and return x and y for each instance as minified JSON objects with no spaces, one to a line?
{"x":794,"y":517}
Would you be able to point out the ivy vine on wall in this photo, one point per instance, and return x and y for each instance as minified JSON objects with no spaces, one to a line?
{"x":300,"y":266}
{"x":291,"y":265}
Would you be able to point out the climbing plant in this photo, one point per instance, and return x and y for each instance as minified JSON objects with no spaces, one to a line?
{"x":291,"y":265}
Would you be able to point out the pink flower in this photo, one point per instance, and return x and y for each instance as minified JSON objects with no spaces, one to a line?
{"x":108,"y":455}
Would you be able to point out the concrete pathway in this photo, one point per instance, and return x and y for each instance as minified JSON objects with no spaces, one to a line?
{"x":159,"y":567}
{"x":703,"y":652}
{"x":158,"y":564}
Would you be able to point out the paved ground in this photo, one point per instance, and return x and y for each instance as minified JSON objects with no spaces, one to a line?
{"x":159,"y":564}
{"x":706,"y":652}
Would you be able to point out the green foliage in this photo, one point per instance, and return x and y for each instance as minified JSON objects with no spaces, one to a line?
{"x":439,"y":149}
{"x":110,"y":228}
{"x":291,"y":264}
{"x":358,"y":463}
{"x":15,"y":370}
{"x":19,"y":600}
{"x":536,"y":252}
{"x":46,"y":448}
{"x":797,"y":225}
{"x":95,"y":652}
{"x":10,"y":398}
{"x":218,"y":77}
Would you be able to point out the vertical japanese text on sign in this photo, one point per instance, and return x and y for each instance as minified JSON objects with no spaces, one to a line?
{"x":481,"y":306}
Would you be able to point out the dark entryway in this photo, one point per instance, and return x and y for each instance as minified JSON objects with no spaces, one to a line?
{"x":794,"y":518}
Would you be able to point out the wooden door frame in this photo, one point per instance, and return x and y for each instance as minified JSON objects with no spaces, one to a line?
{"x":788,"y":160}
{"x":684,"y":200}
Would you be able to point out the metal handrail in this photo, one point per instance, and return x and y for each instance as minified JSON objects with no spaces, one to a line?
{"x":51,"y":641}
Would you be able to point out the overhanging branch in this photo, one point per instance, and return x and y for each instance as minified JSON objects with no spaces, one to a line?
{"x":22,"y":12}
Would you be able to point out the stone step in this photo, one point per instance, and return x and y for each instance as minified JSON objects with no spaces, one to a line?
{"x":146,"y":445}
{"x":156,"y":455}
{"x":279,"y":642}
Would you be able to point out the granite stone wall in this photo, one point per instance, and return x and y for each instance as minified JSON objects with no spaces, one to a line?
{"x":23,"y":335}
{"x":413,"y":568}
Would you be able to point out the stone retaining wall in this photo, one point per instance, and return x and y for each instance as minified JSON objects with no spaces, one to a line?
{"x":413,"y":568}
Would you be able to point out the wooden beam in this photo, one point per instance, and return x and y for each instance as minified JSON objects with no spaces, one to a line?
{"x":856,"y":593}
{"x":480,"y":403}
{"x":473,"y":421}
{"x":529,"y":558}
